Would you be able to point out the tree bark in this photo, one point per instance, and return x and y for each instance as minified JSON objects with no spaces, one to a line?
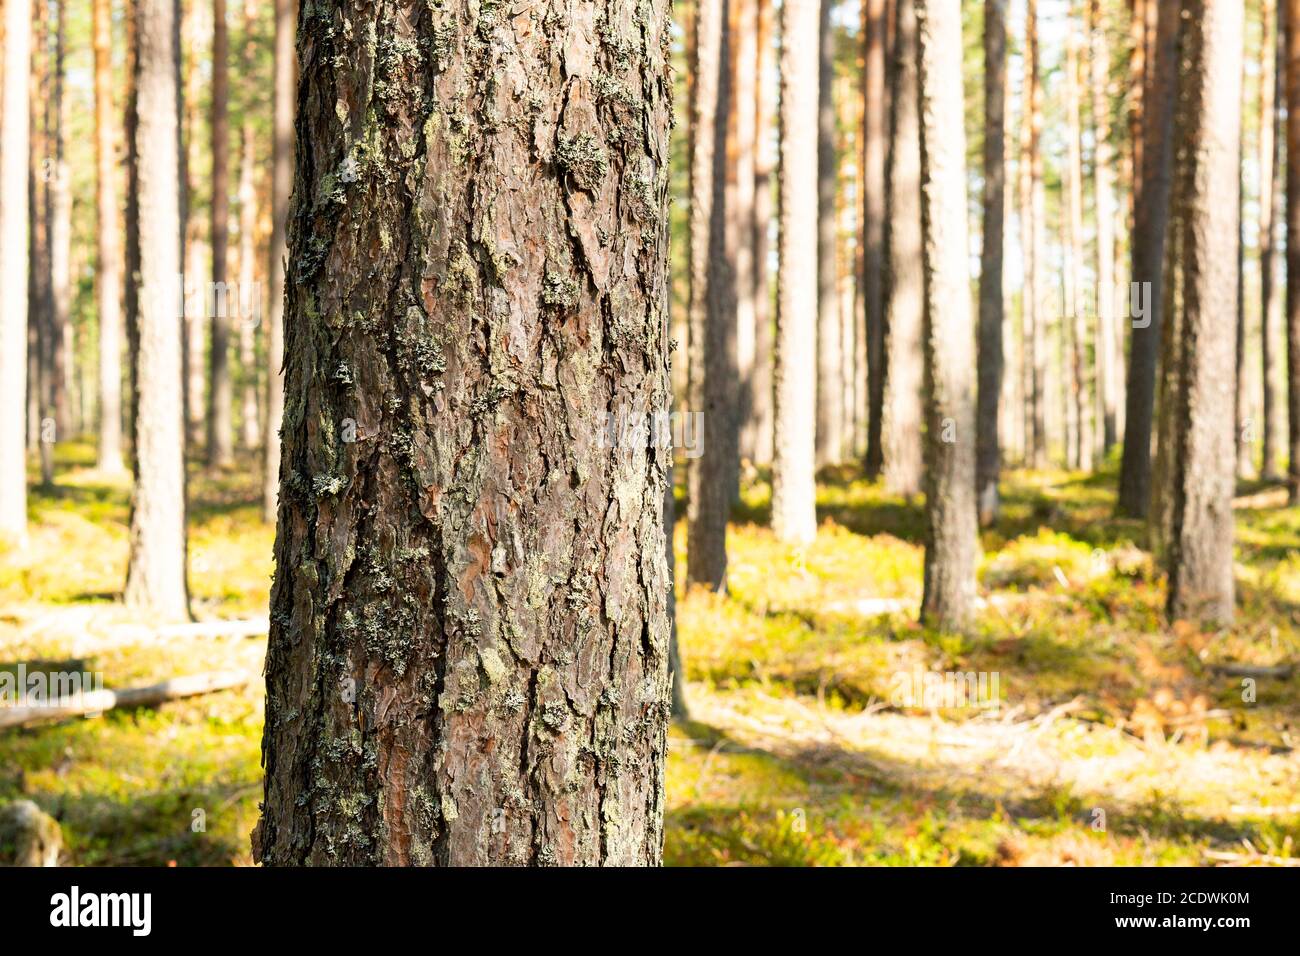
{"x":794,"y":490}
{"x":220,"y":386}
{"x":1293,"y":245}
{"x":249,"y":303}
{"x":740,"y":207}
{"x":830,"y":385}
{"x":468,"y":657}
{"x":760,"y":393}
{"x":1147,"y":249}
{"x":60,"y":201}
{"x":949,"y":332}
{"x":713,"y":475}
{"x":15,"y":137}
{"x":282,"y":163}
{"x":1108,"y":359}
{"x":1201,"y":447}
{"x":903,"y":414}
{"x":155,"y":577}
{"x":1272,"y":95}
{"x":1077,"y":303}
{"x":988,"y":455}
{"x":875,"y":148}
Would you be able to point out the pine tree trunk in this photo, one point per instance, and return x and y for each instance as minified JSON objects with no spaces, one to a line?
{"x":904,"y":291}
{"x":39,"y":295}
{"x":988,"y":456}
{"x":875,"y":148}
{"x":282,"y":160}
{"x":60,"y":358}
{"x":1150,"y":217}
{"x":950,"y":539}
{"x":1036,"y":285}
{"x":220,"y":385}
{"x":155,"y":577}
{"x":1272,"y":74}
{"x":1108,"y":359}
{"x":830,"y":386}
{"x":195,"y":255}
{"x":108,"y":273}
{"x":744,"y":24}
{"x":1201,"y":438}
{"x":468,"y":655}
{"x":794,"y":491}
{"x":14,"y":145}
{"x":760,"y":394}
{"x":249,"y":303}
{"x":1293,"y":245}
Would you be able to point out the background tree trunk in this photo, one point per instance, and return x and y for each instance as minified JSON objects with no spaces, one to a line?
{"x":875,"y":149}
{"x":155,"y":577}
{"x":760,"y":416}
{"x":468,"y":655}
{"x":1293,"y":244}
{"x":1201,"y":446}
{"x":15,"y":138}
{"x":794,"y":490}
{"x":282,"y":158}
{"x":988,"y":458}
{"x":744,"y":24}
{"x":904,"y":291}
{"x":220,"y":386}
{"x":60,"y":199}
{"x":108,"y":274}
{"x":949,"y":334}
{"x":713,"y":475}
{"x":249,"y":303}
{"x":830,"y":384}
{"x":1272,"y":74}
{"x":1077,"y":304}
{"x":1147,"y":248}
{"x":1108,"y":359}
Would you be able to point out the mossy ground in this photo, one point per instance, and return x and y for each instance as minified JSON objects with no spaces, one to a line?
{"x":796,"y":752}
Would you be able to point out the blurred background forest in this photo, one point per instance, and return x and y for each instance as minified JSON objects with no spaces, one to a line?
{"x":1116,"y":732}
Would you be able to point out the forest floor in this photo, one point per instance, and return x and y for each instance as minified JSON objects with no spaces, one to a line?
{"x":1113,"y":738}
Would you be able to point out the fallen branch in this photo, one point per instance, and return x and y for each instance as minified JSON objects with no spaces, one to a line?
{"x":1248,"y":859}
{"x":1247,"y":670}
{"x":98,"y":701}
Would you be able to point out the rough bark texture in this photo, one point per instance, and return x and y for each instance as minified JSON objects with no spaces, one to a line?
{"x":760,"y":393}
{"x":950,"y":538}
{"x":714,"y":474}
{"x":155,"y":577}
{"x":221,"y":393}
{"x":1272,"y":97}
{"x":875,"y":148}
{"x":1201,"y":439}
{"x":282,"y":153}
{"x":904,"y":291}
{"x":988,"y":456}
{"x":468,"y":656}
{"x":1108,"y":359}
{"x":830,"y":383}
{"x":1147,"y":247}
{"x":14,"y":143}
{"x":794,"y":492}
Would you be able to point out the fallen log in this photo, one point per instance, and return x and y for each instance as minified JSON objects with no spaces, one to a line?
{"x":98,"y":701}
{"x":1247,"y":670}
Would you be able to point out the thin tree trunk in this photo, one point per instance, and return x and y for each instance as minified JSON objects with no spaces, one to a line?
{"x":155,"y":577}
{"x":715,"y":473}
{"x":1108,"y":359}
{"x":1079,"y":452}
{"x":220,"y":385}
{"x":15,"y":136}
{"x":108,"y":274}
{"x":282,"y":160}
{"x":1148,"y":257}
{"x":1033,"y":324}
{"x":988,"y":456}
{"x":249,"y":303}
{"x":904,"y":291}
{"x":760,"y":396}
{"x":1272,"y":75}
{"x":196,"y":238}
{"x":1201,"y":436}
{"x":1293,"y":245}
{"x":875,"y":148}
{"x":950,"y":539}
{"x":744,"y":25}
{"x":60,"y":243}
{"x":794,"y":491}
{"x":468,"y":656}
{"x":830,"y":386}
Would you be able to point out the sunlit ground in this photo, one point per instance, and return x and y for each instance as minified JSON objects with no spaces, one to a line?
{"x":1114,"y":739}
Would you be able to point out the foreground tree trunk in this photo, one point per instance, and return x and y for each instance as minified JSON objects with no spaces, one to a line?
{"x":904,"y":300}
{"x":284,"y":63}
{"x":794,"y":490}
{"x":1200,"y":443}
{"x":14,"y":144}
{"x":988,"y":456}
{"x":155,"y":577}
{"x":950,"y":538}
{"x":1147,"y":248}
{"x":713,"y":475}
{"x":468,"y":655}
